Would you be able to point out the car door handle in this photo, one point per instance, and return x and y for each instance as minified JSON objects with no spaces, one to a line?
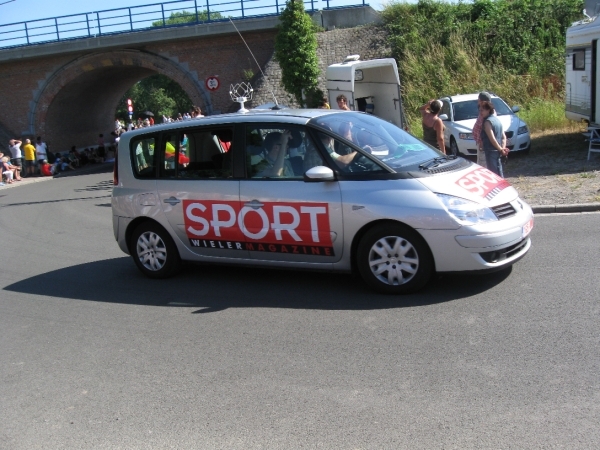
{"x":254,"y":204}
{"x":172,"y":201}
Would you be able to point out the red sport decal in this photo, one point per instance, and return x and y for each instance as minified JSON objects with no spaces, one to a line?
{"x":301,"y":228}
{"x":483,"y":183}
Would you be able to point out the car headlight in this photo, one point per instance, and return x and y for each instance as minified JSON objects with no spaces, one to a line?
{"x":523,"y":130}
{"x":465,"y":136}
{"x":466,"y":212}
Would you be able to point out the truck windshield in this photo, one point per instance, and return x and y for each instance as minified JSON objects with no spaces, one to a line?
{"x":391,"y":145}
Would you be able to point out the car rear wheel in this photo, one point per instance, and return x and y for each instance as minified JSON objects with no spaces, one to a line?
{"x":454,"y":146}
{"x":394,"y":259}
{"x":154,"y":252}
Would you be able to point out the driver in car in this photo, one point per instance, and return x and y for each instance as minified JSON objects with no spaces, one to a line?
{"x":341,"y":160}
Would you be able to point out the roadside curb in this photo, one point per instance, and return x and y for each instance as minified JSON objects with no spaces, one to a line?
{"x":573,"y":208}
{"x":89,"y":170}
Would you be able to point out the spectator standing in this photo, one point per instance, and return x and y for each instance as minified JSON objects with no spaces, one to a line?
{"x":493,"y":138}
{"x":14,"y":146}
{"x":483,"y":97}
{"x":29,"y":152}
{"x":41,"y":150}
{"x":433,"y":127}
{"x":342,"y":102}
{"x":324,"y":104}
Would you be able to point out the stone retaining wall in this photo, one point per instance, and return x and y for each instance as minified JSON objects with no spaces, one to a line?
{"x":368,"y":41}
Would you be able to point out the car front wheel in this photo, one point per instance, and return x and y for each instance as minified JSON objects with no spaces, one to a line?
{"x":394,"y":259}
{"x":154,"y":252}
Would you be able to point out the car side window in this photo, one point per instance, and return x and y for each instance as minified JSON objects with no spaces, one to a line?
{"x":197,"y":154}
{"x":143,"y":157}
{"x":279,"y":151}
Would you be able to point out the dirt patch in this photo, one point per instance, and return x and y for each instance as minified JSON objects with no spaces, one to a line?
{"x":556,"y":170}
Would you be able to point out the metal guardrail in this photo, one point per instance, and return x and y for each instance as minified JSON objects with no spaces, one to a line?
{"x":154,"y":16}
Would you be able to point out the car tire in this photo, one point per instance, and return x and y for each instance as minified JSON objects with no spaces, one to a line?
{"x":154,"y":252}
{"x":454,"y":146}
{"x":394,"y":259}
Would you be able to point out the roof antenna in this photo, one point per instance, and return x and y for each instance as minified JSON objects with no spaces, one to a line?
{"x":258,"y":65}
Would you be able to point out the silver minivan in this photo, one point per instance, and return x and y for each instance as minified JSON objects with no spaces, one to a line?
{"x":311,"y":189}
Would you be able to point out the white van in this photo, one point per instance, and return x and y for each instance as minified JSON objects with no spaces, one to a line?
{"x":313,"y":189}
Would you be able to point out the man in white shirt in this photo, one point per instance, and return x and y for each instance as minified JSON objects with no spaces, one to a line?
{"x":41,"y":151}
{"x":14,"y":146}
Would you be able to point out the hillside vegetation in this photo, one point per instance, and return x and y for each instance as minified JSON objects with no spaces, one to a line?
{"x":514,"y":48}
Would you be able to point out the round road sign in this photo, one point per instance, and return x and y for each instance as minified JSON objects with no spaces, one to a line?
{"x":212,"y":83}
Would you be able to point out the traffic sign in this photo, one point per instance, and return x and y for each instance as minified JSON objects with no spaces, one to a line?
{"x":212,"y":83}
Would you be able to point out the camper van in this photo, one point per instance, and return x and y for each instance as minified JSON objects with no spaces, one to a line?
{"x":582,"y":96}
{"x":371,"y":86}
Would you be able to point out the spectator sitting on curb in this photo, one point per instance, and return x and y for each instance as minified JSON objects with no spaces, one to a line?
{"x":8,"y":170}
{"x":46,"y":168}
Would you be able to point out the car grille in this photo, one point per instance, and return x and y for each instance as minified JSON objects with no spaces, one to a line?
{"x":504,"y":211}
{"x":509,"y":134}
{"x":501,"y":255}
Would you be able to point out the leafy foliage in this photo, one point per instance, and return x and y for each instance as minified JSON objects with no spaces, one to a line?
{"x":514,"y":48}
{"x":183,"y":17}
{"x":296,"y":51}
{"x":158,"y":94}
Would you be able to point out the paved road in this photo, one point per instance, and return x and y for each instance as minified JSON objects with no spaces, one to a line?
{"x":93,"y":355}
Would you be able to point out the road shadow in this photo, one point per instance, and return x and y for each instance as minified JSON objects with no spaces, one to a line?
{"x":213,"y":288}
{"x":89,"y":169}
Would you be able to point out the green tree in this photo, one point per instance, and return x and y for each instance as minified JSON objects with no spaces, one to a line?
{"x":514,"y":48}
{"x":158,"y":94}
{"x":182,"y":17}
{"x":296,"y":51}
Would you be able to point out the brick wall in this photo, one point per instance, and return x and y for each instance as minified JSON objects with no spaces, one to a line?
{"x":70,"y":99}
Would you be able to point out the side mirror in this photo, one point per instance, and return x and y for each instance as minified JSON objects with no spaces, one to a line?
{"x":319,"y":173}
{"x":516,"y":109}
{"x":443,"y":117}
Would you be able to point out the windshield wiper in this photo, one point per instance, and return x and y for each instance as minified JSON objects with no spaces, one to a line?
{"x":436,"y":161}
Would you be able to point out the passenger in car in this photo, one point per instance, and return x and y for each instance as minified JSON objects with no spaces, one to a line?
{"x":273,"y":162}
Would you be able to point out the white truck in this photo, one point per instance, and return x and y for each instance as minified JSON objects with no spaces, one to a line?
{"x":371,"y":86}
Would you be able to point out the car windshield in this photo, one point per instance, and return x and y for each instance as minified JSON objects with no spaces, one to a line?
{"x":468,"y":109}
{"x":391,"y":145}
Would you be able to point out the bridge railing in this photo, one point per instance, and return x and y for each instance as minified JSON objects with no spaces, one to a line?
{"x":138,"y":18}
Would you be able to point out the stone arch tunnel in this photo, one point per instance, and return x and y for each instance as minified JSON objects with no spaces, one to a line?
{"x":79,"y":100}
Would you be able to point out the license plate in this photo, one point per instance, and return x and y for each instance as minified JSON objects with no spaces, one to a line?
{"x":509,"y":141}
{"x":527,"y":228}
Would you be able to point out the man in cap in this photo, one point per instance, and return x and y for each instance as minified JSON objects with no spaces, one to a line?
{"x":483,"y":97}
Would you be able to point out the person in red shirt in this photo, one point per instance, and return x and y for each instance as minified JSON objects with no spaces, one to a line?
{"x":46,"y":169}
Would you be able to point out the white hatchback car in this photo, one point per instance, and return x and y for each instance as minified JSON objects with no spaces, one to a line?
{"x":311,"y":189}
{"x":461,"y":113}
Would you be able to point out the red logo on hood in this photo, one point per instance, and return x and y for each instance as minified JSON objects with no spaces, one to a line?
{"x":483,"y":183}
